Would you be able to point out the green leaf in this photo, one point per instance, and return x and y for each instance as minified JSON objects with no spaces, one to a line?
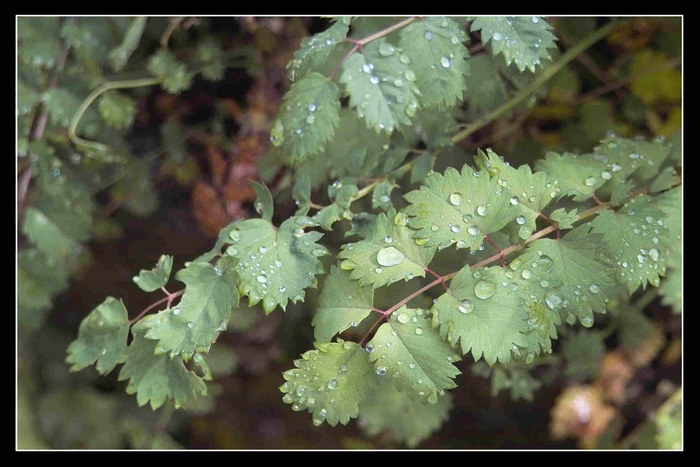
{"x":330,"y":382}
{"x":388,"y":253}
{"x":221,"y":240}
{"x":486,"y":317}
{"x":342,"y":303}
{"x":117,"y":109}
{"x":459,"y":208}
{"x":264,"y":204}
{"x":301,"y":192}
{"x":519,"y":381}
{"x":101,"y":338}
{"x":314,"y":50}
{"x":576,"y":176}
{"x":381,"y":195}
{"x":627,"y":158}
{"x":637,"y":241}
{"x":174,"y":75}
{"x":404,"y":420}
{"x":276,"y":265}
{"x":42,"y":270}
{"x":213,"y":59}
{"x":381,"y":86}
{"x":565,"y":220}
{"x":522,"y":40}
{"x":531,"y":193}
{"x":308,"y":117}
{"x":48,"y":236}
{"x":421,"y":167}
{"x":203,"y":312}
{"x":437,"y":58}
{"x":413,"y":355}
{"x":574,"y":269}
{"x":155,"y":378}
{"x":148,"y":281}
{"x":485,"y":87}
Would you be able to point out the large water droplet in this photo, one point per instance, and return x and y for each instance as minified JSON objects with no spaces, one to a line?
{"x":484,"y":289}
{"x":455,"y":199}
{"x":332,"y":384}
{"x":553,"y":300}
{"x":465,"y":307}
{"x":389,"y":256}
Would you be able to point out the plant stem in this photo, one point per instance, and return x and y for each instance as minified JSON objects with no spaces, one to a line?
{"x":169,"y":299}
{"x":99,"y":147}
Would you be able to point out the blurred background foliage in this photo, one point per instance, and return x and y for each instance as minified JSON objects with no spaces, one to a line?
{"x":164,"y":167}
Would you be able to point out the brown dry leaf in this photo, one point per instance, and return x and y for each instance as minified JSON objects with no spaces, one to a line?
{"x":580,"y":413}
{"x":208,"y":210}
{"x":615,"y":372}
{"x":217,"y":164}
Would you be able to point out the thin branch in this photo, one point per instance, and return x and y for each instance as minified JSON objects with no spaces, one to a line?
{"x":169,"y":299}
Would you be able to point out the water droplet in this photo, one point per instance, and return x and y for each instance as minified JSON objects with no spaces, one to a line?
{"x":389,"y":256}
{"x":514,"y":200}
{"x":590,"y":181}
{"x":520,"y":220}
{"x":594,"y":288}
{"x":374,"y":79}
{"x":445,"y":62}
{"x":332,"y":384}
{"x":381,"y":371}
{"x":553,"y":300}
{"x":481,"y":210}
{"x":465,"y":307}
{"x":261,"y":279}
{"x":402,"y":318}
{"x":484,"y":289}
{"x":455,"y":199}
{"x":386,"y":49}
{"x":654,"y":254}
{"x":419,"y":331}
{"x":401,"y":218}
{"x":497,"y":36}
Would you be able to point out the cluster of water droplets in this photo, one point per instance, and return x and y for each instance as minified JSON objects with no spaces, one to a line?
{"x":311,"y":387}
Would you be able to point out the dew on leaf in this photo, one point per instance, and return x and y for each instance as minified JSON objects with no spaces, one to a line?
{"x":484,"y":289}
{"x":465,"y":307}
{"x":389,"y":256}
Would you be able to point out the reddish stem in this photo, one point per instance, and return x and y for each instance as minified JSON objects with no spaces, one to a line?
{"x":169,"y":299}
{"x":500,"y":252}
